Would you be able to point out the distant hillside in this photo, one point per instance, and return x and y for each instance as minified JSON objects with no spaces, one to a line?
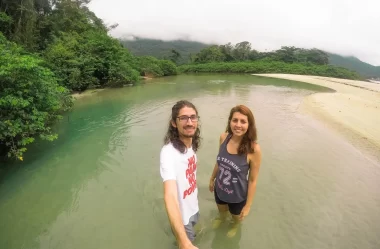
{"x":355,"y":64}
{"x":162,"y":49}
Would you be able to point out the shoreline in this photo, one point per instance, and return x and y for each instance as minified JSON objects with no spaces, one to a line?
{"x":88,"y":92}
{"x":353,"y":110}
{"x":85,"y":93}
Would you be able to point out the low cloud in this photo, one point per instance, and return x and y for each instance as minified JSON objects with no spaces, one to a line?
{"x":346,"y":27}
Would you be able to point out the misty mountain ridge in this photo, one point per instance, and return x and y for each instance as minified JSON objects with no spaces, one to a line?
{"x":186,"y":48}
{"x":353,"y":63}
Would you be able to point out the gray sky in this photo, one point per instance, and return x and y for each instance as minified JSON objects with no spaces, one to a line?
{"x":347,"y":27}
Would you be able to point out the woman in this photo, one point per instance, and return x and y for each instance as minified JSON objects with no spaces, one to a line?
{"x":234,"y":177}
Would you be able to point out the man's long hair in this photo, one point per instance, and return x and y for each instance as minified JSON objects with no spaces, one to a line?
{"x":172,"y":133}
{"x":250,"y":137}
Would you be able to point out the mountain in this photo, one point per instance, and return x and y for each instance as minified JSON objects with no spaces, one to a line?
{"x":355,"y":64}
{"x":163,"y":49}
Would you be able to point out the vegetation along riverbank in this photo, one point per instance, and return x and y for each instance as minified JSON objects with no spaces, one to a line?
{"x":53,"y":52}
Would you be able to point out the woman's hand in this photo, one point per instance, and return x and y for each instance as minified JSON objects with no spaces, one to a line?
{"x":211,"y":185}
{"x":244,"y":212}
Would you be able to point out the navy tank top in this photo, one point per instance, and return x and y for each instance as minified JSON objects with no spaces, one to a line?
{"x":231,"y":183}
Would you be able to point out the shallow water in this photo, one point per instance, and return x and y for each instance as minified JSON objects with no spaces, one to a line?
{"x":98,"y":186}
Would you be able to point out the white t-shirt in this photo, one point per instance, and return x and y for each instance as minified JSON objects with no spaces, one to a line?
{"x":183,"y":168}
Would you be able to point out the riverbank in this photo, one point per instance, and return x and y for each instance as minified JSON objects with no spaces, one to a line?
{"x":353,"y":110}
{"x":90,"y":92}
{"x":85,"y":93}
{"x":270,"y":66}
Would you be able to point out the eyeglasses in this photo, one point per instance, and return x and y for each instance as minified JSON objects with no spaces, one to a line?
{"x":184,"y":118}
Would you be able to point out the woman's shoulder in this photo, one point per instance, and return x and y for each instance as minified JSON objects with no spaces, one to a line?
{"x":256,"y":146}
{"x":222,"y":137}
{"x":256,"y":149}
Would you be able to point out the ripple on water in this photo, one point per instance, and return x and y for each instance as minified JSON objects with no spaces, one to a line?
{"x":315,"y":190}
{"x":217,"y":82}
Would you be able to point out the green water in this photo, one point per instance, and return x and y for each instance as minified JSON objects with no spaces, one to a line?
{"x":98,"y":186}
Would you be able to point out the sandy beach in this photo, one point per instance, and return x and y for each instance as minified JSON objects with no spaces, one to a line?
{"x":85,"y":93}
{"x":353,"y":110}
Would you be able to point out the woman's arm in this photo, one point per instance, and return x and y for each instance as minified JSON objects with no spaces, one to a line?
{"x":254,"y":164}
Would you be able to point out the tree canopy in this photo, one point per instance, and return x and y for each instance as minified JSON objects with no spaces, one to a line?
{"x":50,"y":48}
{"x":243,"y":51}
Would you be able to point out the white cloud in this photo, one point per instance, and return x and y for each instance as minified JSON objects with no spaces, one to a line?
{"x":347,"y":27}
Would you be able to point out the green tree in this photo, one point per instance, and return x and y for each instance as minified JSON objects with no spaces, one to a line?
{"x":268,"y":65}
{"x":242,"y":51}
{"x":57,"y":46}
{"x":74,"y":16}
{"x":24,"y":15}
{"x":317,"y":56}
{"x":168,"y":67}
{"x":30,"y":99}
{"x":210,"y":54}
{"x":174,"y":56}
{"x":5,"y":23}
{"x":228,"y":51}
{"x":91,"y":59}
{"x":286,"y":54}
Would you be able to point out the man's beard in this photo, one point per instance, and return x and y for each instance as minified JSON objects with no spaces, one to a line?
{"x":189,"y":136}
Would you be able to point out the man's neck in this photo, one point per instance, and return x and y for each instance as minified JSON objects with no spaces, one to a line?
{"x":187,"y":141}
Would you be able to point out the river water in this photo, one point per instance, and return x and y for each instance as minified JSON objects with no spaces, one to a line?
{"x":98,"y":185}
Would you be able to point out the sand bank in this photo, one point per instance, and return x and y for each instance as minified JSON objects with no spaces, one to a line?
{"x":353,"y":110}
{"x":85,"y":93}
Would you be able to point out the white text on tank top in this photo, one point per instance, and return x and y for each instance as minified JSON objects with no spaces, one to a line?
{"x":231,"y":182}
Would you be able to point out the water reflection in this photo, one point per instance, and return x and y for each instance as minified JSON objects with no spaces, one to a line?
{"x":98,"y":186}
{"x":220,"y":240}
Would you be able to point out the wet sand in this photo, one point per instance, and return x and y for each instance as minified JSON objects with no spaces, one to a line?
{"x":86,"y":93}
{"x":353,"y":110}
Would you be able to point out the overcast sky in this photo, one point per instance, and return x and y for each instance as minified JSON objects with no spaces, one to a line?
{"x":348,"y":27}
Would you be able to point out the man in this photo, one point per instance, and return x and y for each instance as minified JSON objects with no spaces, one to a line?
{"x":178,"y":168}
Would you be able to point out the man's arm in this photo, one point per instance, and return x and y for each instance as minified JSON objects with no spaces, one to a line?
{"x":168,"y":174}
{"x":174,"y":214}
